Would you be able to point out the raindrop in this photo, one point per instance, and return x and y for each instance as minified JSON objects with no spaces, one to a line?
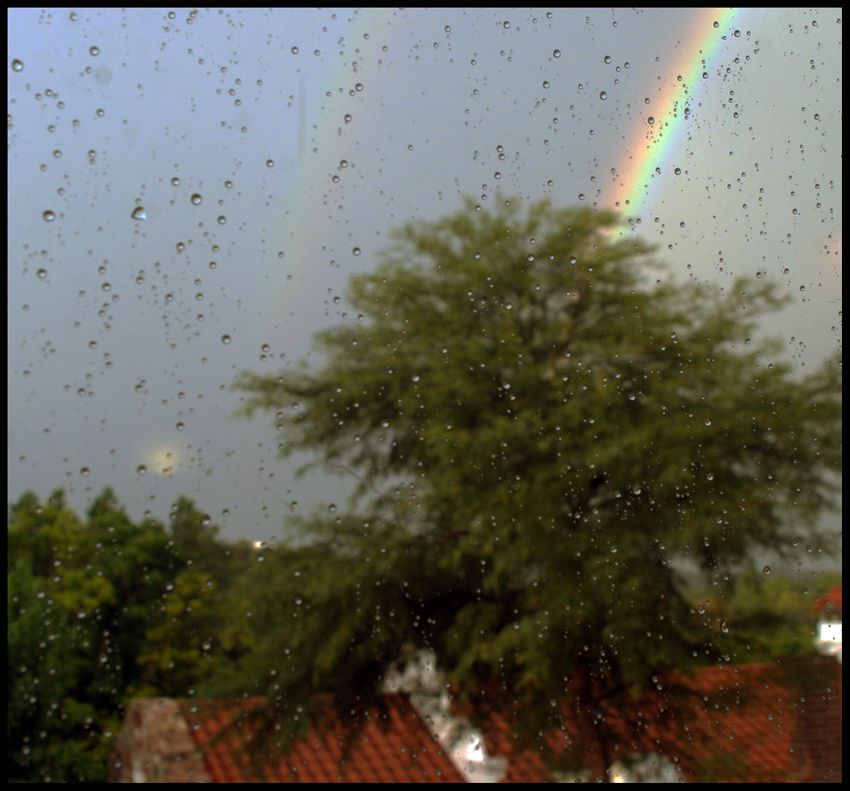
{"x":603,"y":95}
{"x":94,"y":51}
{"x":197,"y":199}
{"x":49,"y":216}
{"x":17,"y":65}
{"x":607,"y":59}
{"x":707,"y":422}
{"x":222,"y":220}
{"x":766,"y":570}
{"x":269,"y":163}
{"x":225,"y":339}
{"x":506,"y":25}
{"x":356,"y":251}
{"x":677,"y":171}
{"x":650,"y":120}
{"x":41,"y":274}
{"x":139,"y":213}
{"x":556,"y":53}
{"x":141,"y":469}
{"x":294,"y":50}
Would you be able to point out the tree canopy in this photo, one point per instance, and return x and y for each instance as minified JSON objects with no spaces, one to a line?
{"x":102,"y":609}
{"x":547,"y":429}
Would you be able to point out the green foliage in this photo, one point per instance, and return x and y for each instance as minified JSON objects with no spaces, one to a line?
{"x":770,"y":617}
{"x":50,"y":734}
{"x":101,"y":610}
{"x":543,"y":427}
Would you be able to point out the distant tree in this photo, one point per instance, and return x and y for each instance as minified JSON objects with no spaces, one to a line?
{"x":53,"y":734}
{"x":769,"y":616}
{"x":542,"y":424}
{"x":101,"y":609}
{"x":191,"y":640}
{"x":196,"y":541}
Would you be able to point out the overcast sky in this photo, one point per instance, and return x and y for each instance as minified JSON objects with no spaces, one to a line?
{"x":306,"y":134}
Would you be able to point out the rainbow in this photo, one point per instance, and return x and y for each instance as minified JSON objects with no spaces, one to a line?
{"x":660,"y":138}
{"x":311,"y":196}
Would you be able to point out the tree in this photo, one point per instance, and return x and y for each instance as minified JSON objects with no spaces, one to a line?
{"x":770,"y":616}
{"x":99,"y":610}
{"x":49,"y":730}
{"x":545,"y":430}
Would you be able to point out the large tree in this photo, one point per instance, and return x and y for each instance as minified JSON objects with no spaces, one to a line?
{"x":546,"y":429}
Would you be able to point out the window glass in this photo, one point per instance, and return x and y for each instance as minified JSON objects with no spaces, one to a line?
{"x":488,"y":358}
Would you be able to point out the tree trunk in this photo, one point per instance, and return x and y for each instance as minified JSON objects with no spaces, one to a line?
{"x":592,"y":738}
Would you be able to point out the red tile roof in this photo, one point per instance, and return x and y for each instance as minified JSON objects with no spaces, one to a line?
{"x":393,"y":746}
{"x":754,"y":723}
{"x":831,"y":602}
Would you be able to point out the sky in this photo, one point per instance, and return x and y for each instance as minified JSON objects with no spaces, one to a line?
{"x":189,"y":190}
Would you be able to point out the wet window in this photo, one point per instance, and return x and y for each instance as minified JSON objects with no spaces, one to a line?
{"x":424,"y":395}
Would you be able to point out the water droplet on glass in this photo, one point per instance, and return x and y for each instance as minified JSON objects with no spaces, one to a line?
{"x":356,"y":251}
{"x":94,"y":51}
{"x":225,"y":339}
{"x":556,"y":53}
{"x":603,"y":95}
{"x":139,"y":213}
{"x":49,"y":216}
{"x":294,"y":50}
{"x":197,"y":199}
{"x":141,"y":469}
{"x":607,"y":59}
{"x":269,"y":163}
{"x":17,"y":65}
{"x":766,"y":570}
{"x":41,"y":274}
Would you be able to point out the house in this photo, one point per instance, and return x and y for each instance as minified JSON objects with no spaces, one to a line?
{"x":776,"y":722}
{"x":769,"y":722}
{"x":828,"y":640}
{"x":172,"y":741}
